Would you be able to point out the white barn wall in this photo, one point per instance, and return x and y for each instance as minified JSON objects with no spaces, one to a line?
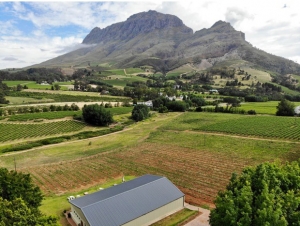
{"x":158,"y":214}
{"x":80,"y":215}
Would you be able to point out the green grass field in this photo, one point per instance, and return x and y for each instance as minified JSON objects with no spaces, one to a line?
{"x":27,"y":100}
{"x":34,"y":85}
{"x":121,"y":81}
{"x":133,"y":70}
{"x":263,"y":107}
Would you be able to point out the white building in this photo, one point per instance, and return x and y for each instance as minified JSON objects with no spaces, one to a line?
{"x":141,"y":201}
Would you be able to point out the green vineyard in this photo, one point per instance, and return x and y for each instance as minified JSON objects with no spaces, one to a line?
{"x":261,"y":126}
{"x":257,"y":126}
{"x":13,"y":131}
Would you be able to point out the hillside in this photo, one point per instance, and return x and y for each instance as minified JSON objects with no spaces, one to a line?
{"x":164,"y":42}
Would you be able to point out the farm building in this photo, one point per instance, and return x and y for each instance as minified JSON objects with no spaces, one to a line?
{"x":141,"y":201}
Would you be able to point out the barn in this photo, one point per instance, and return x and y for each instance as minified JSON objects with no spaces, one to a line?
{"x":141,"y":201}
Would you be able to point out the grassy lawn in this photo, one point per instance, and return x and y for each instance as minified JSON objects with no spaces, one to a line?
{"x":26,"y":100}
{"x":178,"y":218}
{"x":15,"y":83}
{"x":133,"y":70}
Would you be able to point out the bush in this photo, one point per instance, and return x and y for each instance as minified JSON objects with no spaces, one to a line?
{"x":140,"y":112}
{"x":252,"y":112}
{"x":176,"y":106}
{"x":96,"y":115}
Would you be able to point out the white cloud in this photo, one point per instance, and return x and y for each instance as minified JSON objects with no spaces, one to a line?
{"x":271,"y":26}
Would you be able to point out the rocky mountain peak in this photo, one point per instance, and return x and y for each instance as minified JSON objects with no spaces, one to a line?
{"x":140,"y":23}
{"x":222,"y":26}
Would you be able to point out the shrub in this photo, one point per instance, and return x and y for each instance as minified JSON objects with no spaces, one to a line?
{"x":96,"y":115}
{"x":140,"y":112}
{"x":252,"y":112}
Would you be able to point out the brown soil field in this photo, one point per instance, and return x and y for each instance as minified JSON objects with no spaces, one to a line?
{"x":199,"y":174}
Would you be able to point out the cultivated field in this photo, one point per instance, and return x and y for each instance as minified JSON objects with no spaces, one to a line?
{"x":16,"y":131}
{"x":175,"y":145}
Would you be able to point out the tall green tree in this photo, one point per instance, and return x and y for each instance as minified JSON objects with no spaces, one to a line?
{"x":140,"y":112}
{"x":266,"y":195}
{"x":96,"y":115}
{"x":20,"y":200}
{"x":285,"y":108}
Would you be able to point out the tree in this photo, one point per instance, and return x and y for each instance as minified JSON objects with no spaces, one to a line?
{"x":56,"y":86}
{"x":96,"y":115}
{"x":19,"y":87}
{"x":266,"y":195}
{"x":140,"y":112}
{"x":19,"y":201}
{"x":285,"y":108}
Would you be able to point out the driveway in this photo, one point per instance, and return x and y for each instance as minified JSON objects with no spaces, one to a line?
{"x":202,"y":219}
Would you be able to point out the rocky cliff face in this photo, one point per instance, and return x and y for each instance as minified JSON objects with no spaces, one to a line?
{"x":150,"y":35}
{"x":138,"y":24}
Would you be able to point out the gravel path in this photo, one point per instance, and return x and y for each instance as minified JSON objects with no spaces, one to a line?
{"x":202,"y":219}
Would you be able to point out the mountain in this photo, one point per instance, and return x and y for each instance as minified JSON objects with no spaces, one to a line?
{"x":163,"y":41}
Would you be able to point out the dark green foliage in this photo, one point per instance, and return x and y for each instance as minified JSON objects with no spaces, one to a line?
{"x":96,"y":115}
{"x":15,"y":185}
{"x":140,"y":112}
{"x":265,"y":195}
{"x":162,"y":109}
{"x":252,"y":112}
{"x":285,"y":108}
{"x":198,"y":101}
{"x":19,"y":201}
{"x":177,"y":106}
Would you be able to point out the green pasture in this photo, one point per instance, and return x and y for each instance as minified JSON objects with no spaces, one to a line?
{"x":263,"y":107}
{"x":133,"y":70}
{"x":15,"y":83}
{"x":173,"y":75}
{"x":34,"y":85}
{"x":26,"y":100}
{"x":123,"y":80}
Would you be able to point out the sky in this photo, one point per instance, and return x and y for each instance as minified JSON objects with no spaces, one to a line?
{"x":35,"y":31}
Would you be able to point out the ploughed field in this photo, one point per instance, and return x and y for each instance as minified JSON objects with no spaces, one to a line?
{"x":198,"y":160}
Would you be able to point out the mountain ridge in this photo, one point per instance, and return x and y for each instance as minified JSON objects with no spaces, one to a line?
{"x":162,"y":39}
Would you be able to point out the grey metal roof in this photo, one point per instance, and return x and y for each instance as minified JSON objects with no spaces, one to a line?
{"x":125,"y":202}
